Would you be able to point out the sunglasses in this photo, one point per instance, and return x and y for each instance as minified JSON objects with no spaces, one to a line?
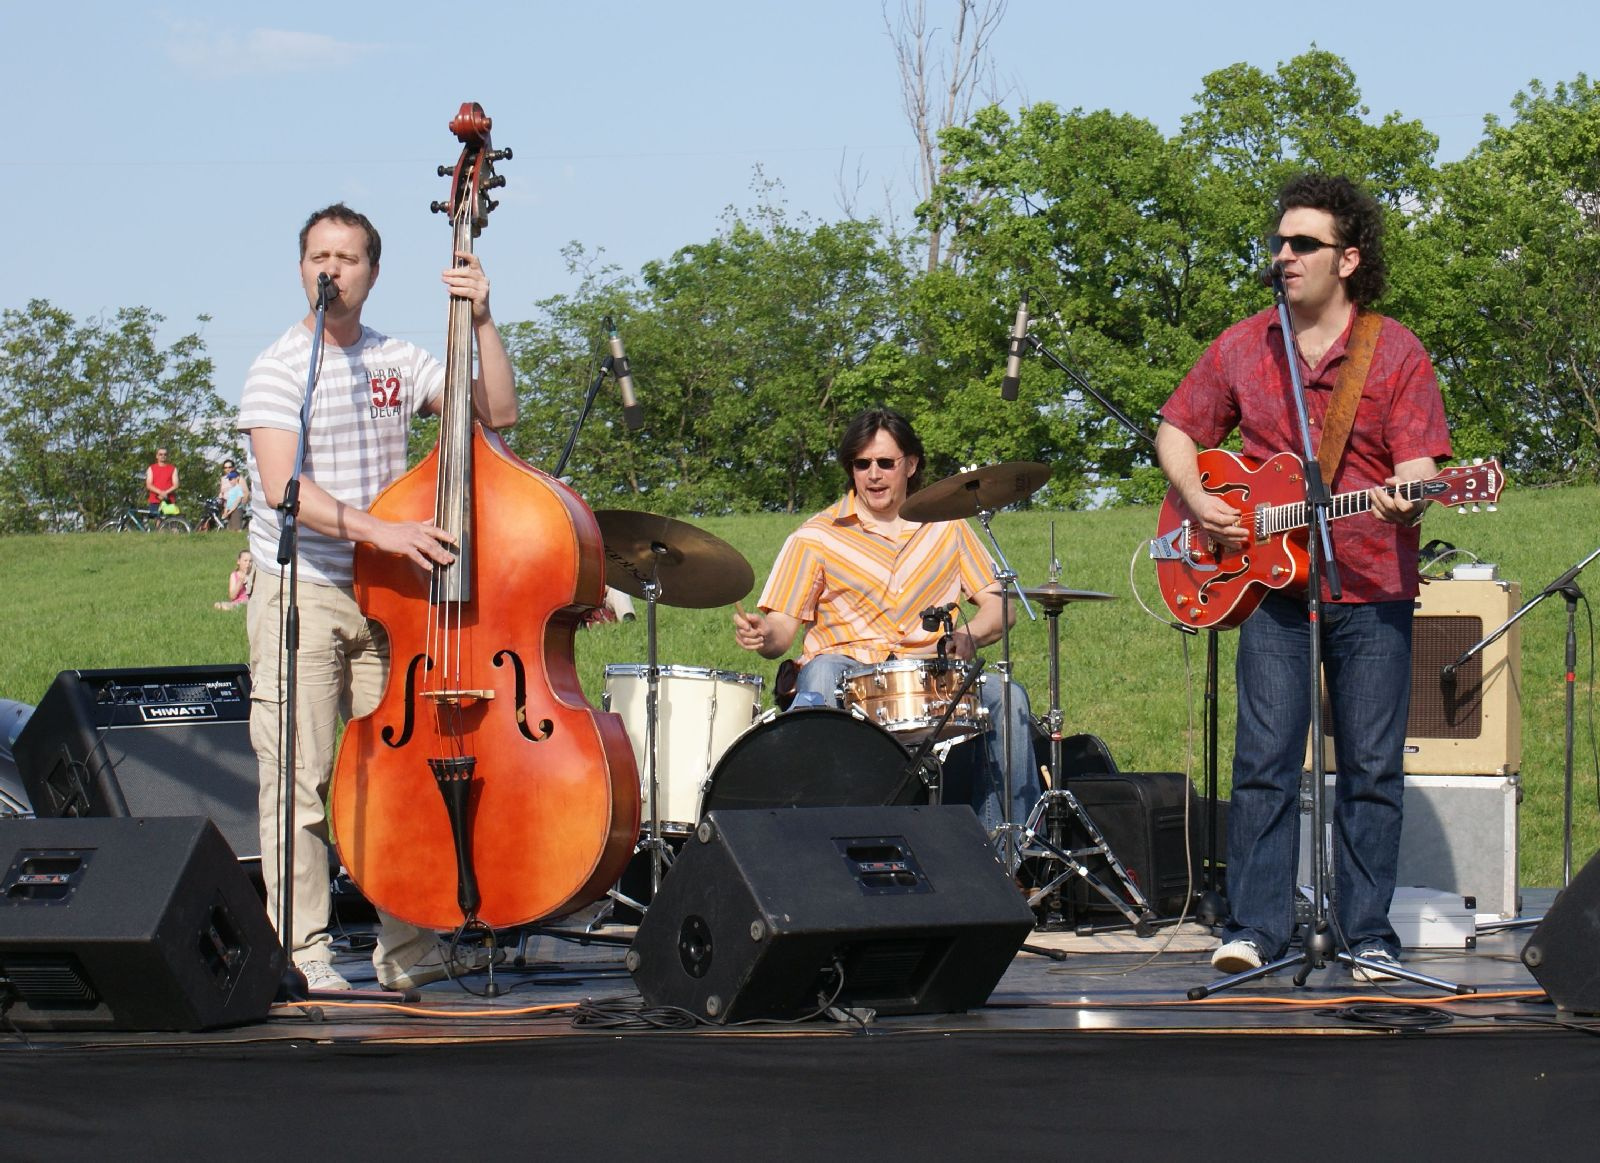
{"x":1301,"y":244}
{"x":886,"y":463}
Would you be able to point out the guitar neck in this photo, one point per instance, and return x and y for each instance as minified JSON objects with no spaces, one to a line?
{"x":1297,"y":515}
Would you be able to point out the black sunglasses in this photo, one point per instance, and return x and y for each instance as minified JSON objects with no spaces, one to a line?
{"x":1301,"y":244}
{"x":886,"y":463}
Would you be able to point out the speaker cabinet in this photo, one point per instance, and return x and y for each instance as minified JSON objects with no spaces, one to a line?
{"x":146,"y":742}
{"x":1564,"y":952}
{"x":1469,"y":723}
{"x":777,"y":913}
{"x":130,"y":924}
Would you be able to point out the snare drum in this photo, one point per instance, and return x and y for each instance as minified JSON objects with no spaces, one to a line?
{"x":814,"y":757}
{"x":909,"y":697}
{"x":699,"y":713}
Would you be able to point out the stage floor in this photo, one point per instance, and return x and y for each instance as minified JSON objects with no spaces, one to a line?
{"x":1099,"y":1050}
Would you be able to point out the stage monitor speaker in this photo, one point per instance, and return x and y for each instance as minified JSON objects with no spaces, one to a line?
{"x":1563,"y":954}
{"x":146,"y":742}
{"x":1469,"y":723}
{"x":130,"y":924}
{"x":779,"y":913}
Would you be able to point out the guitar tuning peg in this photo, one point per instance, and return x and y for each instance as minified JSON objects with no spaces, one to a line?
{"x":1491,"y":508}
{"x":1477,"y":460}
{"x":1475,"y":508}
{"x":1461,"y":509}
{"x":445,"y":171}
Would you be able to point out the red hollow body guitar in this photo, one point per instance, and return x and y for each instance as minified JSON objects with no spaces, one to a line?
{"x":1207,"y":585}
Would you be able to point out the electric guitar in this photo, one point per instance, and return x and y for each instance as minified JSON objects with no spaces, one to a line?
{"x":1208,"y":585}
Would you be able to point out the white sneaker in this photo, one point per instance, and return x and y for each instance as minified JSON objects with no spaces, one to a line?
{"x":436,"y":966}
{"x":1236,"y":957}
{"x":321,"y":977}
{"x":1374,"y":965}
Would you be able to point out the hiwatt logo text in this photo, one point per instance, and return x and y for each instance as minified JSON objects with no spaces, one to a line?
{"x":177,"y":712}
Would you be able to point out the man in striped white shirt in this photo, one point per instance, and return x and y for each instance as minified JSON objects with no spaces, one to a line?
{"x":856,"y":578}
{"x":368,"y":388}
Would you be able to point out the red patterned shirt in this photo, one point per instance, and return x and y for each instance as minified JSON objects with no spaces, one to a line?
{"x":1243,"y":382}
{"x":862,"y":594}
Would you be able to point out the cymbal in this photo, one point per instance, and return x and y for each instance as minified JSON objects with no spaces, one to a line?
{"x":692,"y":568}
{"x":968,"y":493}
{"x":1053,"y":595}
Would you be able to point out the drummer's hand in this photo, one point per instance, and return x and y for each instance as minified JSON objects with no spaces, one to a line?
{"x":749,"y":630}
{"x":962,"y":646}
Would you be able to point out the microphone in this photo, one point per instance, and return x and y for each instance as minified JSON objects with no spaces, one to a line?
{"x":631,"y":412}
{"x":935,"y":616}
{"x":327,"y":291}
{"x":1013,"y":377}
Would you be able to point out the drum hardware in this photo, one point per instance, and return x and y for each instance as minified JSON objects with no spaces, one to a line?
{"x":979,"y":492}
{"x":1045,"y":834}
{"x":669,"y":562}
{"x":917,"y":698}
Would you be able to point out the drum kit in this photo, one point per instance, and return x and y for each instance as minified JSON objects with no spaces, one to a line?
{"x":703,"y":743}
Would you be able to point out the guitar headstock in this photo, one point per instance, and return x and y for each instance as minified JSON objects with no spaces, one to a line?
{"x":473,"y":175}
{"x":1469,"y":486}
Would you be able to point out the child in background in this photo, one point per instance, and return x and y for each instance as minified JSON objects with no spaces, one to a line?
{"x":239,"y":582}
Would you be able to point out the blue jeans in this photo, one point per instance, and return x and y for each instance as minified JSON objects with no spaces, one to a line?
{"x":1366,"y":656}
{"x":972,"y":773}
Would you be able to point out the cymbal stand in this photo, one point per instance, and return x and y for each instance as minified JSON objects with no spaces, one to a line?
{"x":653,"y":842}
{"x":1008,"y":837}
{"x":1059,"y":804}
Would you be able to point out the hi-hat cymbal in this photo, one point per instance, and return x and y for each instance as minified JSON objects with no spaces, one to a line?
{"x":968,"y":493}
{"x":692,"y":568}
{"x":1053,"y":595}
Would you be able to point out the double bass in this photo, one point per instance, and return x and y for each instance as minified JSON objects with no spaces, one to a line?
{"x":483,"y":790}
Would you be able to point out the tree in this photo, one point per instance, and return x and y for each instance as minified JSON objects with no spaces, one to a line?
{"x":85,"y":406}
{"x":958,"y":77}
{"x":1137,"y":248}
{"x":1515,"y":324}
{"x":750,"y":350}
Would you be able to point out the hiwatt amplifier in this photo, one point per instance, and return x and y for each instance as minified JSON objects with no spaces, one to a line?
{"x":173,"y":741}
{"x":1469,"y":721}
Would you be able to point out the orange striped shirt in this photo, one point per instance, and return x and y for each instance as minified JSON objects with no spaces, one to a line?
{"x":862,"y":594}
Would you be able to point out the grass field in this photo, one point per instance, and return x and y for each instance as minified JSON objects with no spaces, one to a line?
{"x":98,"y":600}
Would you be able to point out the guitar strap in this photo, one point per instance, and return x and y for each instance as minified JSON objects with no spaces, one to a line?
{"x":1341,"y":417}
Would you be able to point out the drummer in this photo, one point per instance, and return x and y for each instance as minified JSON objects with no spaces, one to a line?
{"x":858,"y":577}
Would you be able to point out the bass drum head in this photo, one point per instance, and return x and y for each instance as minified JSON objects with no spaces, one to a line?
{"x":813,"y":757}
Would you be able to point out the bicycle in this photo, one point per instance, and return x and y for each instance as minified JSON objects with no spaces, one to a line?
{"x":214,"y":521}
{"x":140,"y":520}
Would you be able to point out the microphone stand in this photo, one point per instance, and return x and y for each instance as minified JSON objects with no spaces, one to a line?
{"x":607,"y":367}
{"x":1567,"y":586}
{"x":293,"y":985}
{"x":1317,"y":939}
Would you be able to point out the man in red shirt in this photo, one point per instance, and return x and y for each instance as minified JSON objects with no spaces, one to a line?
{"x":1329,"y":242}
{"x":160,"y":482}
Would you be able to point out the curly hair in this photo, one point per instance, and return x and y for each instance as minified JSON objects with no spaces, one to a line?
{"x":1357,"y":222}
{"x":345,"y":216}
{"x":860,"y":431}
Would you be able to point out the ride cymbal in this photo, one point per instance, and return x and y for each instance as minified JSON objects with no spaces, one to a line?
{"x":692,"y":568}
{"x":968,"y":493}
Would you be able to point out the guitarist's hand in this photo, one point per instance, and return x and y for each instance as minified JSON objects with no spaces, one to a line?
{"x":1221,"y":521}
{"x":1394,"y":510}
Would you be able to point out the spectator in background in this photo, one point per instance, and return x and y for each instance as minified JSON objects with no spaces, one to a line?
{"x":233,"y":492}
{"x":161,"y":483}
{"x":240,"y":582}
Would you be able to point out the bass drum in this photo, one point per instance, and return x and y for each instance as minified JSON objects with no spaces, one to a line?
{"x":813,"y":757}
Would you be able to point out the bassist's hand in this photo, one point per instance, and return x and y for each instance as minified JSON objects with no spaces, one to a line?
{"x":423,"y":542}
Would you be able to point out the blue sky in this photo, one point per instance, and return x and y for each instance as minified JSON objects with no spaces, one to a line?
{"x":165,"y":155}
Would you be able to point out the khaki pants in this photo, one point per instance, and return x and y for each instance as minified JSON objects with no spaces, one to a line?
{"x":343,"y":662}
